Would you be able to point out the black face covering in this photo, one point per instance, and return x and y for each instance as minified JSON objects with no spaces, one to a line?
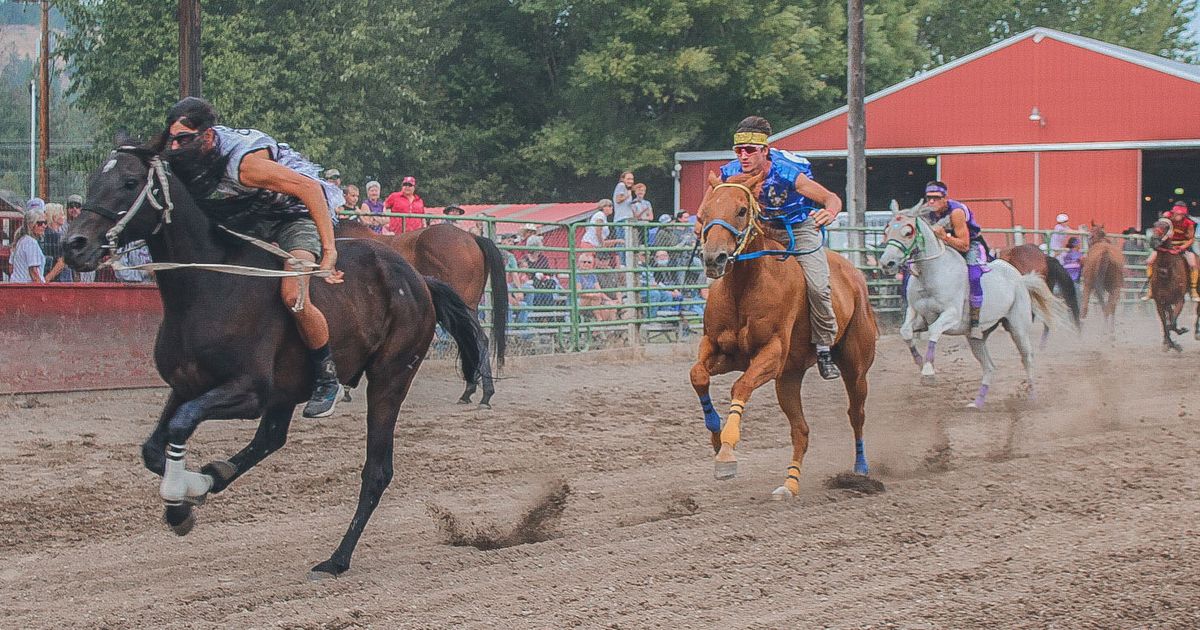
{"x":198,"y":167}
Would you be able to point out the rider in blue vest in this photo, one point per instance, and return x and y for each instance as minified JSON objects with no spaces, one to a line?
{"x":954,"y":225}
{"x":794,"y":209}
{"x":267,"y":190}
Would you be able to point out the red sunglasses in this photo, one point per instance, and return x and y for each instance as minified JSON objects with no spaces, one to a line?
{"x":748,"y":149}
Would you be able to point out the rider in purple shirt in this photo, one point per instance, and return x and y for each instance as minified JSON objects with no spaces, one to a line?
{"x":955,"y":226}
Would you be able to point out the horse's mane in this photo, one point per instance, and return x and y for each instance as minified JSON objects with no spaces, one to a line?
{"x":742,"y":178}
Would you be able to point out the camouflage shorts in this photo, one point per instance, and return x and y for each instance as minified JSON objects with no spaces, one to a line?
{"x":289,"y":233}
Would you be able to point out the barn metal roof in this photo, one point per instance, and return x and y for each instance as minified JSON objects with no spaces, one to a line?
{"x":1186,"y":71}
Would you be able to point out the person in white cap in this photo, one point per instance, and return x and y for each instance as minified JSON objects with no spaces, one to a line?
{"x":1058,"y":240}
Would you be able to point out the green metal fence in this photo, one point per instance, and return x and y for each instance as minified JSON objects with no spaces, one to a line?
{"x":624,"y":299}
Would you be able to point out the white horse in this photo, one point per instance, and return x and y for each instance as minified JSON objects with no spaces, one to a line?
{"x":938,"y":293}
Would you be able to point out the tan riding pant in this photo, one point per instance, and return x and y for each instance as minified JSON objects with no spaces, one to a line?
{"x":816,"y":276}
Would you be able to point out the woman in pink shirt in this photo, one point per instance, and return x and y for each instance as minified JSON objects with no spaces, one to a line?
{"x":405,"y":200}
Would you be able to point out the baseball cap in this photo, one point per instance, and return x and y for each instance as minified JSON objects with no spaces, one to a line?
{"x":36,"y":204}
{"x":332,"y":173}
{"x":410,"y":180}
{"x":529,"y":226}
{"x":1062,"y":218}
{"x":76,"y":199}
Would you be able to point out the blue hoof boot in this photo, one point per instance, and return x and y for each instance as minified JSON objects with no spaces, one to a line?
{"x":860,"y":468}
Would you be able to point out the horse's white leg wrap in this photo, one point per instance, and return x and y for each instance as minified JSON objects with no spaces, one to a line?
{"x":179,"y":483}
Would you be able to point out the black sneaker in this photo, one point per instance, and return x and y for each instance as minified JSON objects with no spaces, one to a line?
{"x":826,"y":367}
{"x":325,"y":396}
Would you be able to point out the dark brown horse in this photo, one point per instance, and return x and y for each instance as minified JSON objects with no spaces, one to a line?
{"x":757,"y":322}
{"x":465,"y":262}
{"x":1029,"y":258}
{"x":1169,"y":287}
{"x":1104,"y":274}
{"x":228,"y":349}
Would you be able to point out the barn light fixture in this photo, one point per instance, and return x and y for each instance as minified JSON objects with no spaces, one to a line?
{"x":1178,"y":191}
{"x":932,"y":161}
{"x":1036,"y":116}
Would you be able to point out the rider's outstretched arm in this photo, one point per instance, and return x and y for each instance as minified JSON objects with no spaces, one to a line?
{"x":831,"y":204}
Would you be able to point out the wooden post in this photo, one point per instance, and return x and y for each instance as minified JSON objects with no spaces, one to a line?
{"x":190,"y":67}
{"x":43,"y":175}
{"x":856,"y":133}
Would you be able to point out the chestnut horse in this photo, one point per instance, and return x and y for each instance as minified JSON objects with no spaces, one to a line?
{"x":757,"y":322}
{"x":1029,"y":258}
{"x":1103,"y":273}
{"x":1169,"y":287}
{"x":465,"y":262}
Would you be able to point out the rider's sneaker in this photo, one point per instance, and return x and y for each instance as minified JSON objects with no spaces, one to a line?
{"x":325,"y":396}
{"x":826,"y":367}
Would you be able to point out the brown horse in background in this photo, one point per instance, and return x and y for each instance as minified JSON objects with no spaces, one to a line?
{"x":1169,"y":287}
{"x":1103,"y":273}
{"x":465,"y":262}
{"x":757,"y":322}
{"x":1029,"y":258}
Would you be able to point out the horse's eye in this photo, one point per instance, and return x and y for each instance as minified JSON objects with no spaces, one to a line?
{"x":742,"y":211}
{"x":908,"y":231}
{"x":131,"y":183}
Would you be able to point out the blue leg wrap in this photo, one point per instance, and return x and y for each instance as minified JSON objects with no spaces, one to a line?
{"x":860,"y":459}
{"x":712,"y":419}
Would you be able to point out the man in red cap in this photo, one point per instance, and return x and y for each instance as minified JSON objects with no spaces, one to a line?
{"x":405,"y":200}
{"x":1179,"y":241}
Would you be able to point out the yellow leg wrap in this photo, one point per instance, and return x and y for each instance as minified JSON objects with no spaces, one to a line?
{"x":1195,"y":275}
{"x":1149,"y":282}
{"x":731,"y":434}
{"x":792,"y":482}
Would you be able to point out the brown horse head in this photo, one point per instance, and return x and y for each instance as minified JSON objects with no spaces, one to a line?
{"x":1096,"y":234}
{"x":726,"y":218}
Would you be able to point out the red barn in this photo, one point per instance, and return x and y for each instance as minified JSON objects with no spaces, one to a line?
{"x":1032,"y":126}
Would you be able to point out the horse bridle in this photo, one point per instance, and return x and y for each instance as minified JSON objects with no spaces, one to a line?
{"x":742,"y":236}
{"x":915,"y":247}
{"x":156,"y":184}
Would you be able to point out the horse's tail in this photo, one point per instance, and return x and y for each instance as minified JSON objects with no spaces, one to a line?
{"x":1057,"y":277}
{"x":1051,"y":310}
{"x":1101,"y":279}
{"x":461,"y":323}
{"x":493,"y":260}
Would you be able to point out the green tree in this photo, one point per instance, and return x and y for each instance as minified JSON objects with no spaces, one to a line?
{"x":953,"y":28}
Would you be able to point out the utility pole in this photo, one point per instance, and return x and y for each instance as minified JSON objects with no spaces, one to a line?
{"x":190,"y":67}
{"x":43,"y":175}
{"x":856,"y":132}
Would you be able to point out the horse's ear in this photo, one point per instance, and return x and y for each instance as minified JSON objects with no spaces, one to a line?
{"x":894,"y":206}
{"x":713,"y":179}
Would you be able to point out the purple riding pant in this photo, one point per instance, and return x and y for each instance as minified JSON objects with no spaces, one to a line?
{"x":976,"y":267}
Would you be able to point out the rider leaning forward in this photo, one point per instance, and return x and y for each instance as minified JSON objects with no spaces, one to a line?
{"x":1179,"y":241}
{"x":793,"y":204}
{"x":954,"y":225}
{"x":265,"y":189}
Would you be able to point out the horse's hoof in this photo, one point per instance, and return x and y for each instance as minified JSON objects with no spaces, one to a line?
{"x":181,"y":518}
{"x":725,"y":470}
{"x":862,"y":469}
{"x":464,"y":401}
{"x":782,"y":494}
{"x":325,"y":570}
{"x":346,"y":396}
{"x":974,"y":405}
{"x":485,"y":406}
{"x":929,"y":379}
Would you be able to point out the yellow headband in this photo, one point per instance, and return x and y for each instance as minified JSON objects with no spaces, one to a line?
{"x":749,"y":137}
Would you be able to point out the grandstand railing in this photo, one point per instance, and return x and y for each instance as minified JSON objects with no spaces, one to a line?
{"x":667,"y":303}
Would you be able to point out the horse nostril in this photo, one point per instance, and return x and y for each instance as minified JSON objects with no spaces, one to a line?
{"x":721,"y":259}
{"x":77,"y":244}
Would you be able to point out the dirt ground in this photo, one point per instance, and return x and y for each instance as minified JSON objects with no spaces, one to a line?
{"x":1077,"y":510}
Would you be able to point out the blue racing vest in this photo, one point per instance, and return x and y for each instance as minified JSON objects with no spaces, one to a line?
{"x":782,"y":205}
